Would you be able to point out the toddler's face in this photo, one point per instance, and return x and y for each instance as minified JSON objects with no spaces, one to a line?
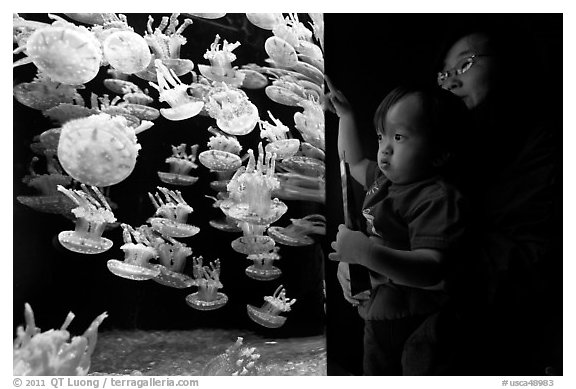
{"x":405,"y":151}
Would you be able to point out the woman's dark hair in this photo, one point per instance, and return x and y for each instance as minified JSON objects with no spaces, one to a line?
{"x":446,"y":116}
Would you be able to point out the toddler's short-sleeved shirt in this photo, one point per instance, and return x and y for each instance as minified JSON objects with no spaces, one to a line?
{"x":424,"y":214}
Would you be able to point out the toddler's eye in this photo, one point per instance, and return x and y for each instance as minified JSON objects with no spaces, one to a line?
{"x":399,"y":137}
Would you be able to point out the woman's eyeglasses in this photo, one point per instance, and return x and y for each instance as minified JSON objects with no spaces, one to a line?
{"x":461,"y":67}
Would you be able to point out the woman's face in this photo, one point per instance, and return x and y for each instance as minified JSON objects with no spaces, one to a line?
{"x":472,"y":85}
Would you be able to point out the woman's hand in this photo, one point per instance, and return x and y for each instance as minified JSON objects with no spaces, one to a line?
{"x":336,"y":101}
{"x":350,"y":246}
{"x":344,"y":279}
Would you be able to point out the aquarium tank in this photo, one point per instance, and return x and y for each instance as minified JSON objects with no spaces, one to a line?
{"x":169,"y":194}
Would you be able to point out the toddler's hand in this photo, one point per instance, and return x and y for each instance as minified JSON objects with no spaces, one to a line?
{"x":336,"y":101}
{"x":350,"y":246}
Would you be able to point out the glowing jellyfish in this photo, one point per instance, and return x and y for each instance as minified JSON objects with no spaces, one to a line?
{"x":294,"y":186}
{"x":220,"y":68}
{"x":137,"y":256}
{"x":92,"y":214}
{"x":309,"y":71}
{"x":127,"y":52}
{"x":165,"y":42}
{"x":309,"y":150}
{"x":43,"y":93}
{"x":216,"y":15}
{"x":318,"y":63}
{"x":172,"y":212}
{"x":233,"y":111}
{"x":223,"y":153}
{"x":286,"y":90}
{"x":318,"y":27}
{"x":281,"y":51}
{"x":269,"y":314}
{"x":304,"y":165}
{"x":226,"y":224}
{"x":236,"y":361}
{"x":253,"y":244}
{"x":253,"y":79}
{"x":310,"y":50}
{"x":52,"y":352}
{"x":49,"y":199}
{"x":296,"y":234}
{"x":120,"y":86}
{"x":262,"y":268}
{"x":277,"y":134}
{"x":99,"y":150}
{"x":207,"y":279}
{"x":181,"y":163}
{"x":250,"y":192}
{"x":172,"y":256}
{"x":64,"y":52}
{"x":174,"y":92}
{"x":266,"y":21}
{"x":93,"y":18}
{"x":310,"y":123}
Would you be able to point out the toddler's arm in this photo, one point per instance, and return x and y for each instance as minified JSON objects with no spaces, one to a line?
{"x":420,"y":268}
{"x":349,"y":144}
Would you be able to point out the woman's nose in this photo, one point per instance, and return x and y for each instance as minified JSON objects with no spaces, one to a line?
{"x":451,"y":83}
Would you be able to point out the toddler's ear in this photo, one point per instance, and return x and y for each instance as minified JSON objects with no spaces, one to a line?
{"x":441,"y":160}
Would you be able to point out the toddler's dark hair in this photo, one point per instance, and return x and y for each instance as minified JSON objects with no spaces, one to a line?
{"x":446,"y":115}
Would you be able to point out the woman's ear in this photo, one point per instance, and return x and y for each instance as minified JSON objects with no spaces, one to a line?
{"x":441,"y":159}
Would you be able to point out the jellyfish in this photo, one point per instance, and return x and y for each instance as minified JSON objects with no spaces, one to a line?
{"x":93,"y":18}
{"x":309,"y":71}
{"x":174,"y":92}
{"x":181,"y":163}
{"x":43,"y":93}
{"x":281,"y":51}
{"x":233,"y":111}
{"x":172,"y":214}
{"x":253,"y":244}
{"x":226,"y":224}
{"x":253,"y":79}
{"x":207,"y":279}
{"x":222,"y":155}
{"x":120,"y":86}
{"x":292,"y":30}
{"x":277,"y":134}
{"x":309,"y":150}
{"x":269,"y":314}
{"x":266,"y":21}
{"x":215,"y":15}
{"x":52,"y":352}
{"x":165,"y":42}
{"x":294,"y":186}
{"x":126,"y":51}
{"x":220,"y":68}
{"x":318,"y":27}
{"x":236,"y":361}
{"x":296,"y":234}
{"x":250,"y":192}
{"x":64,"y":52}
{"x":137,"y":256}
{"x":306,"y":166}
{"x":287,"y":90}
{"x":99,"y":150}
{"x":49,"y":199}
{"x":310,"y":123}
{"x":92,"y":214}
{"x":262,"y":268}
{"x":172,"y":256}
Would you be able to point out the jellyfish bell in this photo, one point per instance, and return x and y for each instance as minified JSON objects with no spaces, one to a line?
{"x":65,"y":53}
{"x":304,"y":165}
{"x":92,"y":18}
{"x":318,"y":63}
{"x":195,"y":300}
{"x":173,"y":279}
{"x":263,"y":269}
{"x":266,"y":21}
{"x":173,"y":228}
{"x":289,"y":237}
{"x":253,"y":244}
{"x":127,"y":51}
{"x":253,"y":79}
{"x":311,"y":151}
{"x":216,"y":15}
{"x":98,"y":150}
{"x":225,"y":224}
{"x":310,"y":72}
{"x":207,"y":279}
{"x":283,"y":96}
{"x":220,"y":161}
{"x":241,"y":211}
{"x":142,"y":112}
{"x":180,"y":67}
{"x":234,"y":112}
{"x":281,"y":51}
{"x":131,"y":271}
{"x":43,"y":93}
